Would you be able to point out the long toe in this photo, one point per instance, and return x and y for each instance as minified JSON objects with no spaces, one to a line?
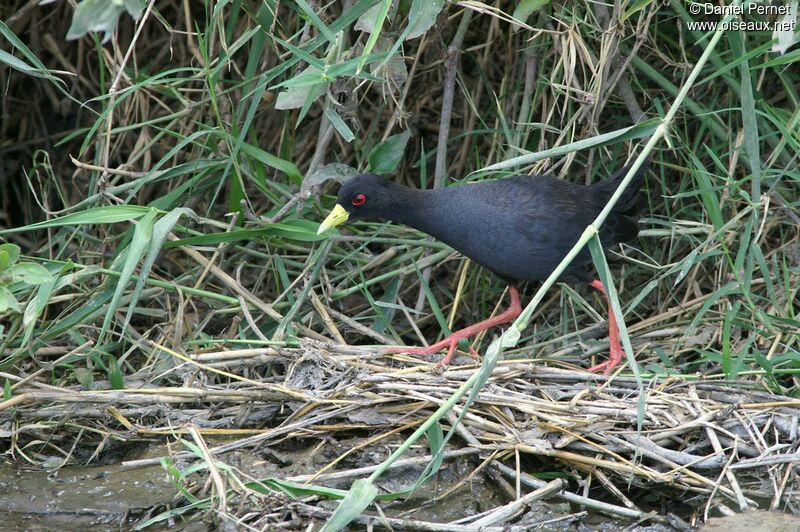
{"x":451,"y":342}
{"x":419,"y":351}
{"x":614,"y":358}
{"x":430,"y":350}
{"x":449,"y":356}
{"x":605,"y":367}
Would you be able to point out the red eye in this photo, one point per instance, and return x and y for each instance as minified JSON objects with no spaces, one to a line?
{"x":359,"y":199}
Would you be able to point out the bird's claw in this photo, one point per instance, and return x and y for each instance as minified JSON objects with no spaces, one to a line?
{"x":450,"y":343}
{"x":614,"y":358}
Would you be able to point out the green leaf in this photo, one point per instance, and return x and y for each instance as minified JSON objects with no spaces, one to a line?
{"x":435,"y":308}
{"x":392,"y":70}
{"x":100,"y":215}
{"x":130,"y":258}
{"x":735,"y":62}
{"x":115,"y":378}
{"x":101,"y":16}
{"x":38,"y":69}
{"x":784,"y":34}
{"x":635,"y":7}
{"x":751,"y":139}
{"x":708,"y":192}
{"x":361,"y":495}
{"x":299,"y":88}
{"x":339,"y":124}
{"x":9,"y":253}
{"x":30,"y":273}
{"x":300,"y":53}
{"x":791,"y":57}
{"x":642,"y":129}
{"x":7,"y":301}
{"x":384,"y":318}
{"x":422,"y":17}
{"x":287,"y":167}
{"x":332,"y":171}
{"x":368,"y":21}
{"x":36,"y":306}
{"x":21,"y":66}
{"x":157,"y":237}
{"x":373,"y":37}
{"x":7,"y":390}
{"x":88,"y":311}
{"x":526,"y":7}
{"x":296,"y":490}
{"x":315,"y":21}
{"x":308,"y":77}
{"x":84,"y":377}
{"x":386,"y":156}
{"x":436,"y":443}
{"x":298,"y":230}
{"x":763,"y":362}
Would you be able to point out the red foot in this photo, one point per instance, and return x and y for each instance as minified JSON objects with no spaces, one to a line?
{"x":614,"y":348}
{"x":451,"y":342}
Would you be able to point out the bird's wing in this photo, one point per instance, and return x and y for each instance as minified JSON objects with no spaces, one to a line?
{"x":550,"y":211}
{"x":551,"y":227}
{"x":555,"y":213}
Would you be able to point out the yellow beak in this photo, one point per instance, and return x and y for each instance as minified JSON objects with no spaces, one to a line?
{"x":337,"y":216}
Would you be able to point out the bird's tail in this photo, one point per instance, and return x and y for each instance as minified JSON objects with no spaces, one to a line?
{"x":628,"y":202}
{"x":621,"y":225}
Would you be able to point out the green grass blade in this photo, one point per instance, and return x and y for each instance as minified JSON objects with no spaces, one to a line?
{"x":360,"y":495}
{"x":376,"y":32}
{"x":142,"y":235}
{"x":315,"y":21}
{"x":159,"y":233}
{"x":639,"y":130}
{"x":99,"y":215}
{"x":601,"y":265}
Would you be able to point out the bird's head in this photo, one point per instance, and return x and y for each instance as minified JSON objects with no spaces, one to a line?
{"x":363,"y":196}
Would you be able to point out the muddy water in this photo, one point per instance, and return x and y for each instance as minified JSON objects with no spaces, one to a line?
{"x":101,"y":497}
{"x":117,"y":498}
{"x":753,"y":522}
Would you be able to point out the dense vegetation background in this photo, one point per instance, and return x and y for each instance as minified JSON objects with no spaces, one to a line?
{"x":162,"y":177}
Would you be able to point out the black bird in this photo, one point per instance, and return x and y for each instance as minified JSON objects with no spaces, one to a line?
{"x":517,"y":227}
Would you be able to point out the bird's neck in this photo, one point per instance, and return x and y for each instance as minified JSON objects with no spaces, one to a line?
{"x":418,"y":209}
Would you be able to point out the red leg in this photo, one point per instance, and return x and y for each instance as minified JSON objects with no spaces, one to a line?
{"x":614,"y":348}
{"x":451,"y":342}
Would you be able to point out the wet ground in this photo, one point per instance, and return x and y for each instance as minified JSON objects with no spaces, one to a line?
{"x":753,"y":522}
{"x":100,"y":497}
{"x":114,"y":497}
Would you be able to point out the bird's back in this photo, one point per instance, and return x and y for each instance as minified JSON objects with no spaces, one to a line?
{"x":521,"y":227}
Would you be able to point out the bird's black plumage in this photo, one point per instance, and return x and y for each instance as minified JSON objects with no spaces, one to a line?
{"x":518,"y":227}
